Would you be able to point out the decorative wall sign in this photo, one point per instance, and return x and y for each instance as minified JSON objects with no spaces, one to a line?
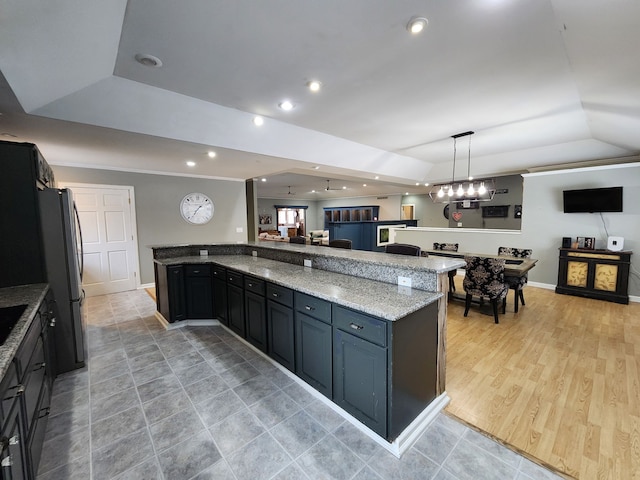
{"x":457,"y":216}
{"x":265,"y":219}
{"x":502,"y":190}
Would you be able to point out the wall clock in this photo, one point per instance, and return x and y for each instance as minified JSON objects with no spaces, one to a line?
{"x":196,"y":208}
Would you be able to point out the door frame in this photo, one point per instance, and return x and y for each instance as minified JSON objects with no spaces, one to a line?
{"x":132,"y":212}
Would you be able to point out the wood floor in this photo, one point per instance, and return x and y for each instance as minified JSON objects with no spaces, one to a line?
{"x":559,"y":381}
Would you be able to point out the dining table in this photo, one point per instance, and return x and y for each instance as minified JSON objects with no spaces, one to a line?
{"x":514,"y":266}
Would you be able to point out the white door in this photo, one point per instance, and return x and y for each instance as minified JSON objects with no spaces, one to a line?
{"x":110,"y":250}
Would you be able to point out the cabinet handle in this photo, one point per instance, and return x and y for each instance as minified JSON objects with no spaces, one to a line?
{"x":15,"y":440}
{"x":250,"y":284}
{"x":7,"y":462}
{"x":309,"y":307}
{"x":20,"y":390}
{"x":275,"y":295}
{"x":231,"y":279}
{"x":44,"y":412}
{"x":40,"y":366}
{"x":52,"y":323}
{"x":355,"y":326}
{"x":196,"y":271}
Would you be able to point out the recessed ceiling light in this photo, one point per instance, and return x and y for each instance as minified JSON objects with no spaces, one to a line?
{"x":263,"y":179}
{"x":376,"y":177}
{"x":344,"y":188}
{"x":426,"y":184}
{"x":406,"y":193}
{"x":417,"y":24}
{"x":364,"y":184}
{"x":417,"y":183}
{"x":313,"y":191}
{"x":286,"y":105}
{"x":148,"y":60}
{"x":191,"y":163}
{"x":258,"y":121}
{"x":211,"y":154}
{"x":316,"y":167}
{"x":314,"y":85}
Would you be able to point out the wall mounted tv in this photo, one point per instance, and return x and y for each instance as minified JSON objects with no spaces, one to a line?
{"x":591,"y":200}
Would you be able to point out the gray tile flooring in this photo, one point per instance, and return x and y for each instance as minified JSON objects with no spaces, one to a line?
{"x":197,"y":403}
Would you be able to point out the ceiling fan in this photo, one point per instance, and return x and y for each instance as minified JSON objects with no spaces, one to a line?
{"x":328,"y":188}
{"x":290,"y":192}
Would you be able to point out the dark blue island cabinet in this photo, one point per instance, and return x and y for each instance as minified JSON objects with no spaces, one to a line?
{"x":198,"y":291}
{"x":280,"y":325}
{"x":170,"y":300}
{"x":219,"y":278}
{"x":255,"y":312}
{"x":235,"y":303}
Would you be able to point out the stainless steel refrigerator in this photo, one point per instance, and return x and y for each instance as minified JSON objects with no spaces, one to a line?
{"x":62,"y":243}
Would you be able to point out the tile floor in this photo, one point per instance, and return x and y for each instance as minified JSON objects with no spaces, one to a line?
{"x":197,"y":403}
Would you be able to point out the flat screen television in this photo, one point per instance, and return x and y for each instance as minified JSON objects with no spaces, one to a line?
{"x":591,"y":200}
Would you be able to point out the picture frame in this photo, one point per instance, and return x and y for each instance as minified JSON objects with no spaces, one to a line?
{"x":586,"y":243}
{"x":265,"y":219}
{"x":386,"y":234}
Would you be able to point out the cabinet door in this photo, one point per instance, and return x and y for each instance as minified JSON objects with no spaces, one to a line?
{"x":281,"y":334}
{"x":199,"y":296}
{"x":36,"y":437}
{"x":360,"y":380}
{"x":220,"y":300}
{"x":235,"y":299}
{"x":175,"y":283}
{"x":14,"y":451}
{"x":313,"y":353}
{"x":256,"y":316}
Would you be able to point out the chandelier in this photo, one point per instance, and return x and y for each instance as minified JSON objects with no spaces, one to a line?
{"x":469,"y":190}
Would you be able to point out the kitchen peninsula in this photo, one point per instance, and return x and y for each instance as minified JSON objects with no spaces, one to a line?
{"x":343,"y":326}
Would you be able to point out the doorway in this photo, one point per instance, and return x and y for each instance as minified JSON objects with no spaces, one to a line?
{"x":407,"y":212}
{"x":109,"y":241}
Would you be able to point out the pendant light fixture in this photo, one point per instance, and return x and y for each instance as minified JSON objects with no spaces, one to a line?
{"x":480,"y":191}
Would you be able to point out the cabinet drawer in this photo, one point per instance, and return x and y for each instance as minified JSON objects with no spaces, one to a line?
{"x":197,"y":270}
{"x":312,"y":306}
{"x":364,"y":326}
{"x":254,"y":285}
{"x":234,"y":278}
{"x":26,"y":348}
{"x":9,"y":390}
{"x":219,"y":272}
{"x":282,"y":295}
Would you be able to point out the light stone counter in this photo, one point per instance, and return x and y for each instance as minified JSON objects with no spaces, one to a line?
{"x":30,"y":295}
{"x":379,"y":299}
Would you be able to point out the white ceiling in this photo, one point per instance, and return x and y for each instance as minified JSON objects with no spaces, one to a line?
{"x":542,"y":83}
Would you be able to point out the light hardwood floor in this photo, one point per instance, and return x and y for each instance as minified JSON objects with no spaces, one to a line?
{"x":559,"y":381}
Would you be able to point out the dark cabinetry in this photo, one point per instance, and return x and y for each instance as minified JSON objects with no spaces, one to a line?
{"x":219,"y":278}
{"x":600,"y":274}
{"x":26,"y":393}
{"x":255,"y":312}
{"x":313,"y":342}
{"x":367,"y":213}
{"x":235,"y":303}
{"x":360,"y":367}
{"x":280,"y":325}
{"x":170,"y":299}
{"x":198,"y":291}
{"x":23,"y":172}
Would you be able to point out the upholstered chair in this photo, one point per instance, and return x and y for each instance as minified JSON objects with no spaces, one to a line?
{"x":403,"y":249}
{"x":340,"y":243}
{"x":484,"y":278}
{"x":449,"y":247}
{"x":298,"y":239}
{"x":516,"y":283}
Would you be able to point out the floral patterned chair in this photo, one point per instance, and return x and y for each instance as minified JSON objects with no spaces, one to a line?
{"x":484,"y":278}
{"x":516,"y":283}
{"x":449,"y":247}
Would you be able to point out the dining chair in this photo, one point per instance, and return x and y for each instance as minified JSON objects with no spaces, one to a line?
{"x":403,"y":249}
{"x":340,"y":243}
{"x":300,"y":240}
{"x":516,"y":283}
{"x":484,"y":278}
{"x":449,"y":247}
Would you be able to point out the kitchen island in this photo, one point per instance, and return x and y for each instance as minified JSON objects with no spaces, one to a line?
{"x":372,"y":347}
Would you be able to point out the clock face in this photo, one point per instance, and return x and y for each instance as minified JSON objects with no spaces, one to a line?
{"x":196,"y":208}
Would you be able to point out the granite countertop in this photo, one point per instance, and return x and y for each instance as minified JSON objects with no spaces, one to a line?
{"x":380,"y":299}
{"x":30,"y":295}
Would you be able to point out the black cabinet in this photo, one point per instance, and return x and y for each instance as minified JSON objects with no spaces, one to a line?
{"x":360,"y":367}
{"x":280,"y":325}
{"x":26,"y":393}
{"x":235,"y":303}
{"x":198,"y":291}
{"x":313,"y":342}
{"x":599,"y":274}
{"x":219,"y":278}
{"x":170,"y":300}
{"x":255,"y":312}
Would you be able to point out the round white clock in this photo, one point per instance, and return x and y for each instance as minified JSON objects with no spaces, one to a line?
{"x":196,"y":208}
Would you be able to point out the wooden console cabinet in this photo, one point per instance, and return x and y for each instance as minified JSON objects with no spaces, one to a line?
{"x":599,"y":274}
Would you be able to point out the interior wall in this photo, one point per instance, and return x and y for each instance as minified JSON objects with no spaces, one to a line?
{"x":431,"y":214}
{"x":157,"y":202}
{"x":544,"y":223}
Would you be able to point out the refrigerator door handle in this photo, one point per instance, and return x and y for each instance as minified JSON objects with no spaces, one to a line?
{"x":75,"y":210}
